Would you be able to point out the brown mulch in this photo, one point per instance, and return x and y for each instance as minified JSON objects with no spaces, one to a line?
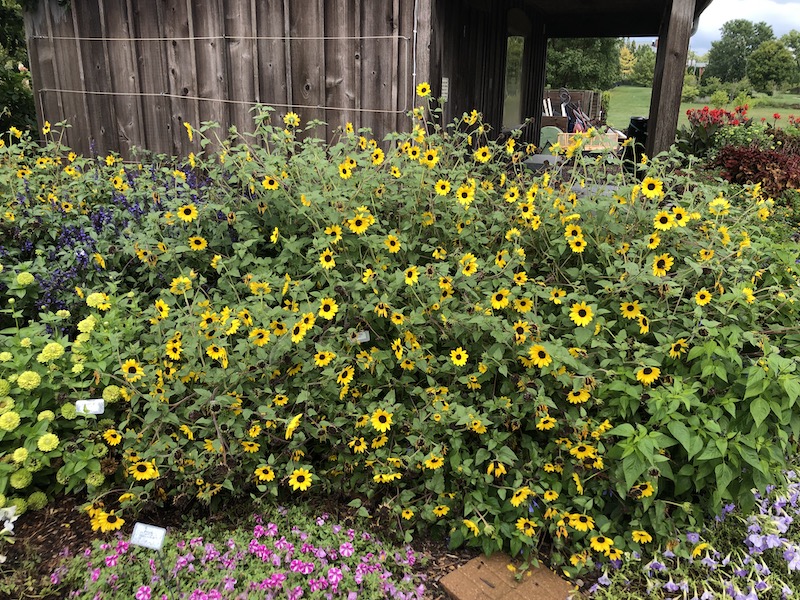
{"x":43,"y":537}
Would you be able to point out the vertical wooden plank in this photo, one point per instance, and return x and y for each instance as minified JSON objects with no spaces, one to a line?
{"x":254,"y":45}
{"x":239,"y":32}
{"x":287,"y":49}
{"x":211,"y":66}
{"x":534,"y":61}
{"x":423,"y":22}
{"x":391,"y":120}
{"x":273,"y":83}
{"x":121,"y":52}
{"x":180,"y":71}
{"x":340,"y":62}
{"x":151,"y":59}
{"x":673,"y":48}
{"x":44,"y":73}
{"x":306,"y":28}
{"x":376,"y":74}
{"x":405,"y":59}
{"x":96,"y":75}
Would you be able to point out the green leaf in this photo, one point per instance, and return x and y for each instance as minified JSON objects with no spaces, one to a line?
{"x":624,"y":430}
{"x":759,"y":409}
{"x":691,"y":443}
{"x":792,"y":388}
{"x":724,"y":476}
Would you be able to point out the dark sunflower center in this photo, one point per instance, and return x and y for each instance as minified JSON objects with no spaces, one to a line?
{"x":601,"y":540}
{"x":664,"y":219}
{"x":382,"y":419}
{"x":301,"y":478}
{"x":583,"y":519}
{"x":651,"y":186}
{"x":111,"y":519}
{"x":647,"y":371}
{"x":661,"y":263}
{"x":141,"y":468}
{"x":542,"y":354}
{"x":358,"y":222}
{"x":581,"y":313}
{"x":499,"y":297}
{"x":326,"y":307}
{"x":132,"y":369}
{"x":328,"y":258}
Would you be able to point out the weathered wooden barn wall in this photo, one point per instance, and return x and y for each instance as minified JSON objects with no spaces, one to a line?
{"x":129,"y":73}
{"x":468,"y":48}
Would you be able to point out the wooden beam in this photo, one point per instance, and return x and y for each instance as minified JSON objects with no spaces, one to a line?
{"x":533,"y":79}
{"x":673,"y":48}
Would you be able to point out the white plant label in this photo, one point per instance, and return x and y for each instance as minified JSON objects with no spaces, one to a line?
{"x":148,"y":536}
{"x":95,"y":406}
{"x":362,"y":337}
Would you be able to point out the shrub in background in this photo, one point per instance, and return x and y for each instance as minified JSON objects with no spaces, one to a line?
{"x":426,"y":328}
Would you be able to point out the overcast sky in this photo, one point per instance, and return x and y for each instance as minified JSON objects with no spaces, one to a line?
{"x":782,"y":15}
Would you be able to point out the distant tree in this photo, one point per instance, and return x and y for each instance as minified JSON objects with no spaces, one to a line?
{"x":792,"y":41}
{"x":727,"y":58}
{"x":770,"y":66}
{"x":583,"y":63}
{"x":627,"y":60}
{"x":645,"y":67}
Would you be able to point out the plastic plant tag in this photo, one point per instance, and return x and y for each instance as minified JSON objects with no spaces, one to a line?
{"x":95,"y":406}
{"x":148,"y":536}
{"x":362,"y":336}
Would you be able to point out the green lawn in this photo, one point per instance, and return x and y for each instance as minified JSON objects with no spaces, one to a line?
{"x":629,"y":101}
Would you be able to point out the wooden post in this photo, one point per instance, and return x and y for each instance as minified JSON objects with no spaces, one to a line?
{"x":533,"y":79}
{"x":673,"y":48}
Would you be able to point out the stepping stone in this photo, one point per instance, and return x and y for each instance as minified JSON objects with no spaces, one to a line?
{"x":490,"y":578}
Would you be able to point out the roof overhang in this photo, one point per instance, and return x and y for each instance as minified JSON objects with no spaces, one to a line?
{"x":604,"y":18}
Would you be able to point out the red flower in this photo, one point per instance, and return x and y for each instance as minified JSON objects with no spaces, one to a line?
{"x":776,"y":116}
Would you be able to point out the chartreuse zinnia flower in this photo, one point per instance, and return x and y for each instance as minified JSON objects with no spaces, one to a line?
{"x":9,"y":421}
{"x":48,"y":442}
{"x":29,"y":380}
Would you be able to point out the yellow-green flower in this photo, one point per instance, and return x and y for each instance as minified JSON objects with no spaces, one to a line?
{"x":29,"y":380}
{"x":48,"y":442}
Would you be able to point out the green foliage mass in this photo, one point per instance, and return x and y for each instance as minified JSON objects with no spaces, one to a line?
{"x":16,"y":98}
{"x":583,"y":63}
{"x":727,"y":58}
{"x":770,"y":66}
{"x":505,"y":357}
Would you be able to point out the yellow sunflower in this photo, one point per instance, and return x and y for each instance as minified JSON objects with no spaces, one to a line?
{"x":652,"y":188}
{"x":581,"y":314}
{"x":300,"y":479}
{"x":648,"y":375}
{"x":661,"y":264}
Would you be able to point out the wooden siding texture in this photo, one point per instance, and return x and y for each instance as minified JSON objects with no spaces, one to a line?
{"x":128,"y":73}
